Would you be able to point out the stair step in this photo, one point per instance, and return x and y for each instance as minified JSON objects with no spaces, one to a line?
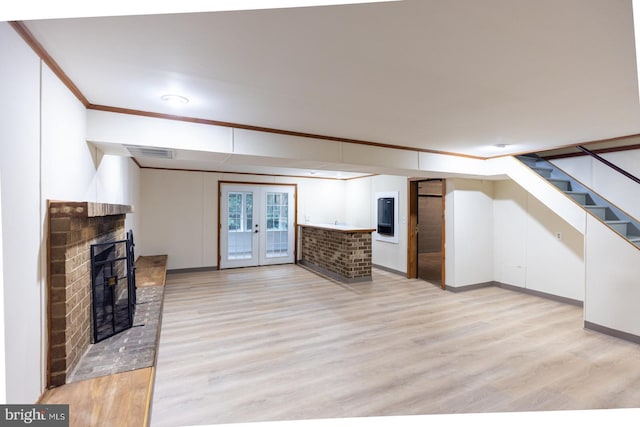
{"x":545,"y":172}
{"x":599,"y":211}
{"x":579,"y":197}
{"x":562,"y":184}
{"x":529,"y":161}
{"x":619,"y":226}
{"x":634,"y":239}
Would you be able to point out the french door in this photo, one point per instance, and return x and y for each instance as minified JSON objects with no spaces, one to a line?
{"x":257,"y":225}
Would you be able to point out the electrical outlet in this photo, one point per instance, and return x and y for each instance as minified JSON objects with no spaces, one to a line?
{"x":558,"y":235}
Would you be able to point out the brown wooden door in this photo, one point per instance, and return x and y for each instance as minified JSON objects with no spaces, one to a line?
{"x":430,"y":231}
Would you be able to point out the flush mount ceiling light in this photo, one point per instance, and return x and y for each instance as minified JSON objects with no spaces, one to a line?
{"x":174,"y":99}
{"x":501,"y":145}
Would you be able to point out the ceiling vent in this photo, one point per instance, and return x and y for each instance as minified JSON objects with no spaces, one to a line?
{"x":152,"y":152}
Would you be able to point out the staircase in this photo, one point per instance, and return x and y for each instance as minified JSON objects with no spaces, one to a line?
{"x":616,"y":219}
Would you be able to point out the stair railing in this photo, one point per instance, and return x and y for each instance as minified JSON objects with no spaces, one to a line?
{"x":608,"y":163}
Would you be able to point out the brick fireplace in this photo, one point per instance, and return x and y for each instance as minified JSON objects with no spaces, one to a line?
{"x":73,"y":228}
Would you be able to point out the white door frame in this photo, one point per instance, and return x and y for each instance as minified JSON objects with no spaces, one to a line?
{"x":258,"y":256}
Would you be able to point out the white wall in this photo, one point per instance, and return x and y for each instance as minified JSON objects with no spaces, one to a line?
{"x":67,"y":166}
{"x":360,"y":209}
{"x":611,"y":263}
{"x":469,"y":232}
{"x":510,"y":221}
{"x":612,"y":185}
{"x":43,"y":156}
{"x":554,"y":266}
{"x":320,"y":201}
{"x":21,"y":217}
{"x":72,"y":169}
{"x":527,"y":252}
{"x":131,"y":196}
{"x":497,"y":231}
{"x":175,"y":224}
{"x":388,"y":254}
{"x":3,"y":365}
{"x":537,"y":186}
{"x":612,"y":272}
{"x":180,"y":211}
{"x":359,"y":194}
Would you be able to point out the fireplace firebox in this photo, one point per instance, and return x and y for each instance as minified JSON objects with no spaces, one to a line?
{"x":113,"y":288}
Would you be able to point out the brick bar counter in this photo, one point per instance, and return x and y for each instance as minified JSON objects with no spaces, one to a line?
{"x":338,"y":251}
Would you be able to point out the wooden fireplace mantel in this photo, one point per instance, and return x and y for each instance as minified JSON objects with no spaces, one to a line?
{"x":87,"y":209}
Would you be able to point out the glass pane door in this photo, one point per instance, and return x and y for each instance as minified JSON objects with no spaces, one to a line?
{"x":239,"y":240}
{"x":256,"y":225}
{"x":277,"y":224}
{"x":240,"y":229}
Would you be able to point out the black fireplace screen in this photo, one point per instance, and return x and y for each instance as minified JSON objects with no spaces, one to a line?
{"x":113,"y":287}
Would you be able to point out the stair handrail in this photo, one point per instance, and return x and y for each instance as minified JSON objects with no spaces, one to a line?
{"x":608,"y":163}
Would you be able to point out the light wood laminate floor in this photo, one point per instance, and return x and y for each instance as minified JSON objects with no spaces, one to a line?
{"x":118,"y":400}
{"x":281,"y":343}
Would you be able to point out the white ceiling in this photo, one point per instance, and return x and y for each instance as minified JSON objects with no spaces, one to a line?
{"x":450,"y":75}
